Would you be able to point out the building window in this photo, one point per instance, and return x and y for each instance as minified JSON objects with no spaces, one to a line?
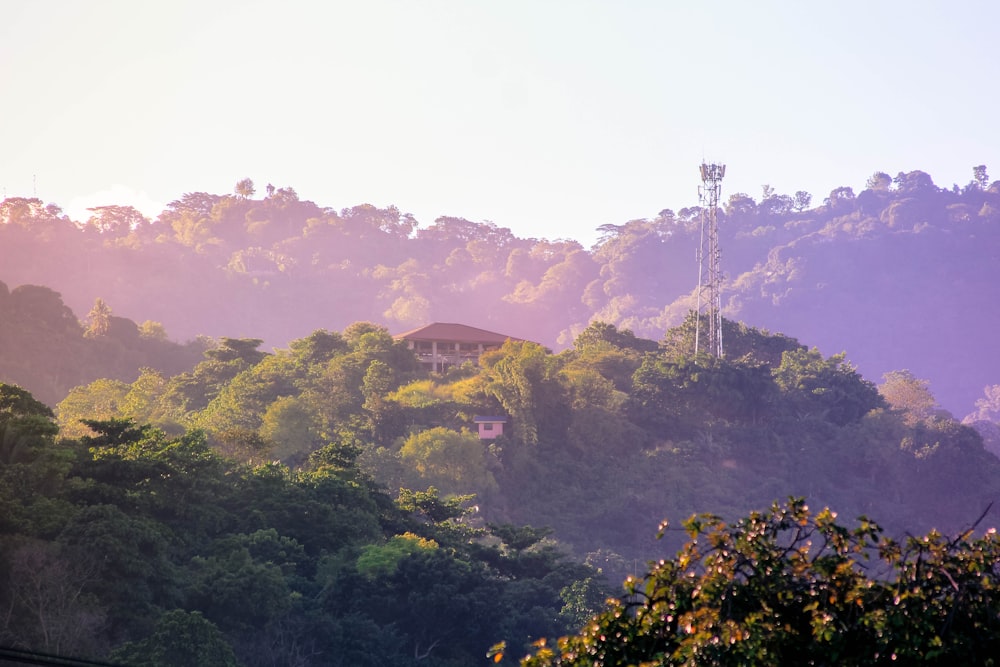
{"x":487,"y":427}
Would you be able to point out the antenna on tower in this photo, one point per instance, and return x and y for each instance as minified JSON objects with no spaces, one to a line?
{"x":709,"y":271}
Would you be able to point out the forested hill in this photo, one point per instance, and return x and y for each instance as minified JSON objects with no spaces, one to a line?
{"x":901,"y":275}
{"x":603,"y":439}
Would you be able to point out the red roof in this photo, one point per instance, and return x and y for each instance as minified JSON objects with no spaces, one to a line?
{"x":455,"y":333}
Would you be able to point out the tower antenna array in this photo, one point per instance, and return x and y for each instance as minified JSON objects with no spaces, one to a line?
{"x":709,"y":314}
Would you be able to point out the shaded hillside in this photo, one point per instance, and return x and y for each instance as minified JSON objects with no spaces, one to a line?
{"x":604,"y":439}
{"x":328,"y":501}
{"x":901,"y":275}
{"x":131,"y":547}
{"x":900,"y":279}
{"x":48,"y":351}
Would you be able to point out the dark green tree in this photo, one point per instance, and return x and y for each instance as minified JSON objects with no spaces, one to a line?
{"x":180,"y":639}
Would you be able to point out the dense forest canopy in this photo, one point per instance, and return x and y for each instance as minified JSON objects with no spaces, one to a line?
{"x":329,"y":502}
{"x":894,"y":274}
{"x":270,"y":495}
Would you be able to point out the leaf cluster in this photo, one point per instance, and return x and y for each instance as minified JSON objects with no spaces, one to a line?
{"x":790,"y":586}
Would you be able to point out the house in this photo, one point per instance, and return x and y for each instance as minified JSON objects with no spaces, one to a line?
{"x":441,"y":345}
{"x":489,"y":426}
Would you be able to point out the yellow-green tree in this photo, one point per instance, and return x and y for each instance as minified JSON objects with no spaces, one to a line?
{"x":902,"y":390}
{"x":454,"y":462}
{"x":99,"y":319}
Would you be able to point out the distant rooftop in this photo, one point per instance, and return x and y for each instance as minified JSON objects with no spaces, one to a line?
{"x":458,"y":333}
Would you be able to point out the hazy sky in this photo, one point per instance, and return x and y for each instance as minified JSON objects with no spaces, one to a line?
{"x":548,"y":117}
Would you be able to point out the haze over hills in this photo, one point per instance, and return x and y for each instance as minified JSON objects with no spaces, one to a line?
{"x":271,"y":501}
{"x":899,"y":276}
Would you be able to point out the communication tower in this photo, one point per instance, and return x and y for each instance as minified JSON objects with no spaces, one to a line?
{"x":709,"y":272}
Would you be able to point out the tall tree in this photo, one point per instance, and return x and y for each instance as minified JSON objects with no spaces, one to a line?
{"x":244,"y":188}
{"x":802,"y":200}
{"x":99,"y":320}
{"x":902,"y":390}
{"x":980,"y":177}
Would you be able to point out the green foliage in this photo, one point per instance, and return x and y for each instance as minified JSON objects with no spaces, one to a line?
{"x":525,"y":381}
{"x":684,"y":394}
{"x":291,"y":428}
{"x":32,"y":464}
{"x":101,"y":399}
{"x":453,"y":462}
{"x":44,"y":348}
{"x":741,"y":342}
{"x":430,"y":504}
{"x":830,"y":388}
{"x":904,"y":391}
{"x":791,"y":587}
{"x":179,"y":639}
{"x":309,"y":557}
{"x":380,"y":560}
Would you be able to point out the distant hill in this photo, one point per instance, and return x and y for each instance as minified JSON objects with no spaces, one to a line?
{"x":902,"y":275}
{"x":47,"y":350}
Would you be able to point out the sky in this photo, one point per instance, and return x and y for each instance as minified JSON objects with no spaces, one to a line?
{"x":549,"y":117}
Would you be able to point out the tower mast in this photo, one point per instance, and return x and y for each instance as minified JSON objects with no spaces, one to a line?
{"x":709,"y":272}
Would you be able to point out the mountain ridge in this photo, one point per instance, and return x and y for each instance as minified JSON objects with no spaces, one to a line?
{"x":853,"y":274}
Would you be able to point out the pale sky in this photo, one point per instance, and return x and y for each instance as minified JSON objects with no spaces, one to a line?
{"x":548,"y":117}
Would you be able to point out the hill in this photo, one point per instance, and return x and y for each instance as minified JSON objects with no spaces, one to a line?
{"x":603,"y":439}
{"x":899,"y":276}
{"x":330,"y":501}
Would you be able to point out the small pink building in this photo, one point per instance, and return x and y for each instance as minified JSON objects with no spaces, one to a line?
{"x":489,"y":426}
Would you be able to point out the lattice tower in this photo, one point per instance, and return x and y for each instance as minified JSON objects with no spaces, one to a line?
{"x":709,"y":270}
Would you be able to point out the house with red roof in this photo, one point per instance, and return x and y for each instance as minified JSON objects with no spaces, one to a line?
{"x":441,"y":345}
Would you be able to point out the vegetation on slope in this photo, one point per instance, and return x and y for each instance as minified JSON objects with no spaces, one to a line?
{"x":894,"y":274}
{"x":327,"y":502}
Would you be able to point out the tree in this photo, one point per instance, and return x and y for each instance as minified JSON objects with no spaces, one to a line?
{"x":101,"y":399}
{"x":802,"y":200}
{"x":740,"y":204}
{"x":793,"y":587}
{"x":879,"y":181}
{"x":776,"y":205}
{"x":687,"y":394}
{"x":902,"y":390}
{"x":914,"y":182}
{"x":99,"y":320}
{"x":151,"y":330}
{"x":603,"y":334}
{"x":47,"y":603}
{"x":830,"y":389}
{"x":243,"y":350}
{"x":244,"y":188}
{"x":840,"y":198}
{"x":980,"y":177}
{"x":291,"y":428}
{"x":180,"y":638}
{"x":524,"y":378}
{"x":455,"y":462}
{"x":32,"y":464}
{"x":116,"y":220}
{"x":44,"y":306}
